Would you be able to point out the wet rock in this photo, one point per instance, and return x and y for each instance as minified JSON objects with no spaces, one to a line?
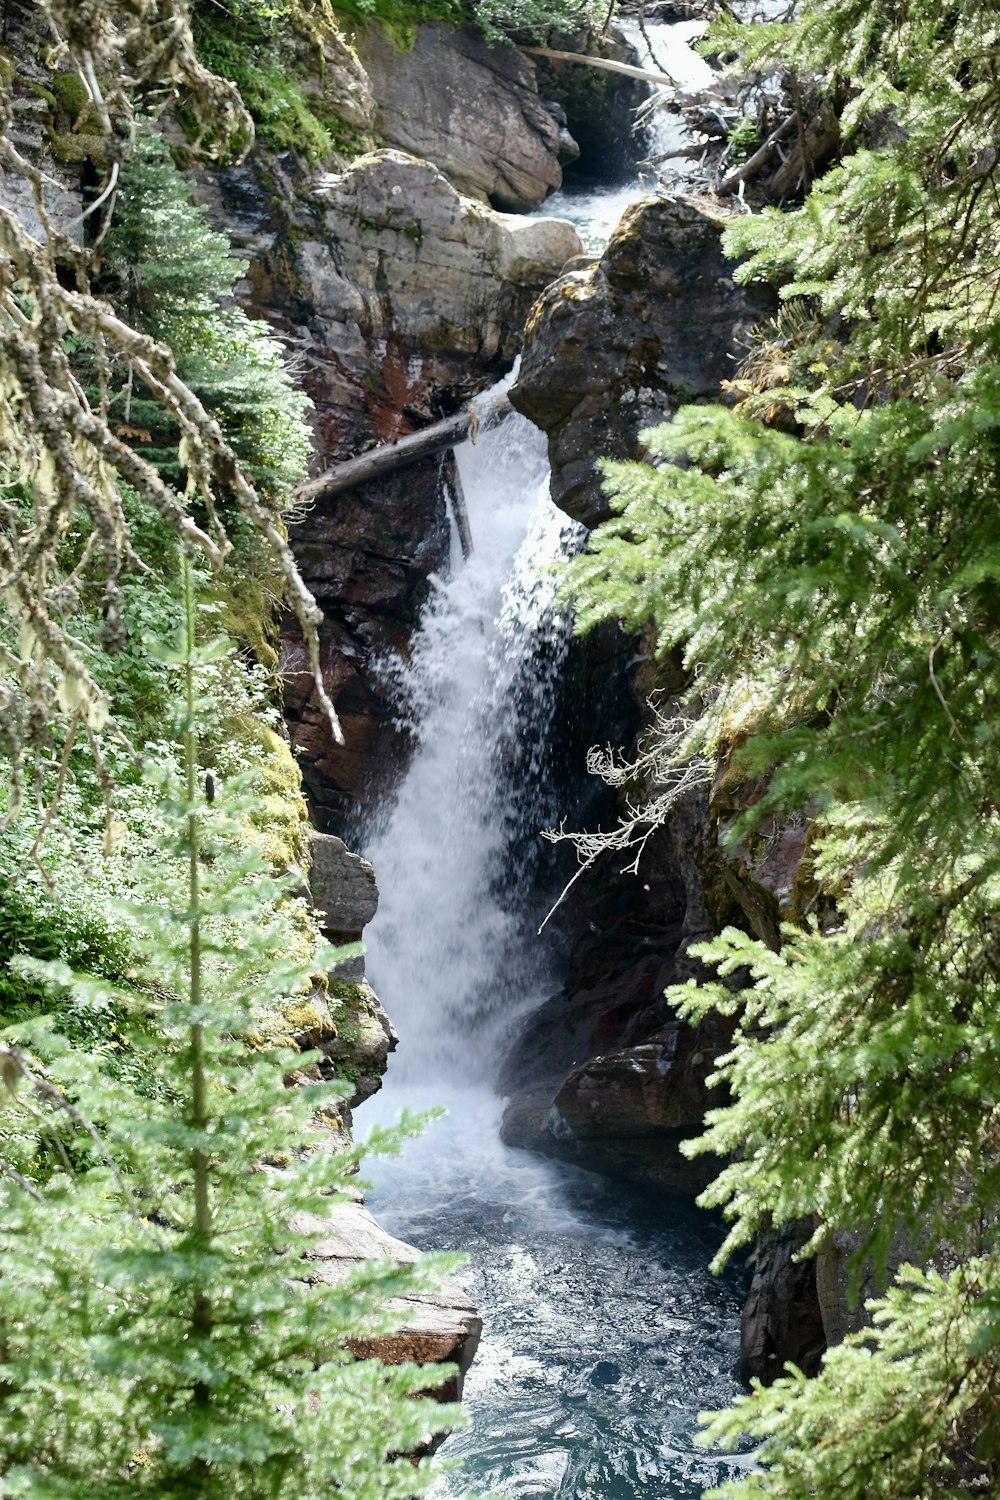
{"x":626,"y":1113}
{"x":367,"y":556}
{"x":598,"y":107}
{"x":604,"y":1074}
{"x":343,"y":888}
{"x":435,"y":1327}
{"x":782,"y":1320}
{"x":641,"y":1091}
{"x":615,"y":348}
{"x":471,"y":109}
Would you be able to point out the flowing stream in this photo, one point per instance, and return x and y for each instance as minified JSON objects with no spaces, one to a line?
{"x":604,"y":1332}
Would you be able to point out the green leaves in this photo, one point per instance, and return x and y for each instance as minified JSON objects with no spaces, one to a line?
{"x":173,"y":276}
{"x":165,"y":1328}
{"x":834,"y":587}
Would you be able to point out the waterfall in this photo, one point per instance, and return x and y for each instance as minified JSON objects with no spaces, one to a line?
{"x":597,"y":211}
{"x":452,"y":949}
{"x":604,"y":1332}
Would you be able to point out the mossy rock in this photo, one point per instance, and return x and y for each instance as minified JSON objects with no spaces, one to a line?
{"x":309,"y":1021}
{"x":72,"y":96}
{"x":278,"y":822}
{"x":72,"y":149}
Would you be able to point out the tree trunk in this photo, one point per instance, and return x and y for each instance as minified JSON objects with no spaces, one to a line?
{"x":406,"y":450}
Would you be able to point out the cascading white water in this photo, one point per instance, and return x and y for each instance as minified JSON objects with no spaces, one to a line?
{"x":604,"y":1333}
{"x":664,"y":47}
{"x":477,"y":693}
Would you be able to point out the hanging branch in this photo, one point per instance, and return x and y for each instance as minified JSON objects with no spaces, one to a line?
{"x":63,"y":463}
{"x":664,"y":772}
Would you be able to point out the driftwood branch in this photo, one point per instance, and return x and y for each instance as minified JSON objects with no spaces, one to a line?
{"x":607,"y":63}
{"x":406,"y":450}
{"x":759,"y":159}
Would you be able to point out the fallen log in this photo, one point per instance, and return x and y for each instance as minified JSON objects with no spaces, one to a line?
{"x":760,"y":158}
{"x":607,"y":63}
{"x":405,"y":450}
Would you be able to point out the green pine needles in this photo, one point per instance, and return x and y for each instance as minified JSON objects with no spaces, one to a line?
{"x":163,"y":1331}
{"x":171,"y":275}
{"x":827,"y":555}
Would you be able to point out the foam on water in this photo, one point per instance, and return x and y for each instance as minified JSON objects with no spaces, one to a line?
{"x":664,"y":48}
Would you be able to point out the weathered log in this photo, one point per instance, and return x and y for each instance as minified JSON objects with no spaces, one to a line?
{"x":818,"y":140}
{"x":460,"y":511}
{"x":759,"y":159}
{"x":607,"y":63}
{"x":405,"y":450}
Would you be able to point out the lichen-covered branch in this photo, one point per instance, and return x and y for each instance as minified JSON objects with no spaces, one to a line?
{"x":65,"y":461}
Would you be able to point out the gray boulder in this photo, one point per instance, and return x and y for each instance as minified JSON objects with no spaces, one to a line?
{"x":343,"y":888}
{"x":409,"y":263}
{"x":472,"y":109}
{"x":435,"y":1327}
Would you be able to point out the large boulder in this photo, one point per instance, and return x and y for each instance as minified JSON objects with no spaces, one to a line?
{"x":408,"y":260}
{"x":470,"y":108}
{"x":440,"y":1326}
{"x":619,"y":344}
{"x":627,"y":1113}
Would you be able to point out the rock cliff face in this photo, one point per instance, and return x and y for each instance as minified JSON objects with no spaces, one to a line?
{"x":472,"y":109}
{"x":405,"y":299}
{"x":617,"y":345}
{"x":415,"y":298}
{"x":605,"y":1074}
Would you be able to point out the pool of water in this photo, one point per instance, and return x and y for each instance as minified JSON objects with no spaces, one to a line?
{"x":604,"y":1332}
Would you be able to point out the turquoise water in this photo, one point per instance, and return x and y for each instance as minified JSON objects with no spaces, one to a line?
{"x":604,"y":1332}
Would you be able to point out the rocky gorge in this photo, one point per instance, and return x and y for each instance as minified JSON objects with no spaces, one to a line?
{"x":407,"y":281}
{"x":404,"y":279}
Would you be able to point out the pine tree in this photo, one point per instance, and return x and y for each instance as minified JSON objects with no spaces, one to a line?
{"x":172,"y":276}
{"x":158,"y":1330}
{"x":826,"y":553}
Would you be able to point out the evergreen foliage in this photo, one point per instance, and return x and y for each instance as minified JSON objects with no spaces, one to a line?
{"x":156,"y":1331}
{"x":172,"y":276}
{"x":157,"y":1335}
{"x":827,"y":554}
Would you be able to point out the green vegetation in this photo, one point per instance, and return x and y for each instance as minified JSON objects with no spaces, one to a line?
{"x":157,"y":1338}
{"x":159,"y":1330}
{"x":273,"y":50}
{"x":172,"y":276}
{"x":827,"y":554}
